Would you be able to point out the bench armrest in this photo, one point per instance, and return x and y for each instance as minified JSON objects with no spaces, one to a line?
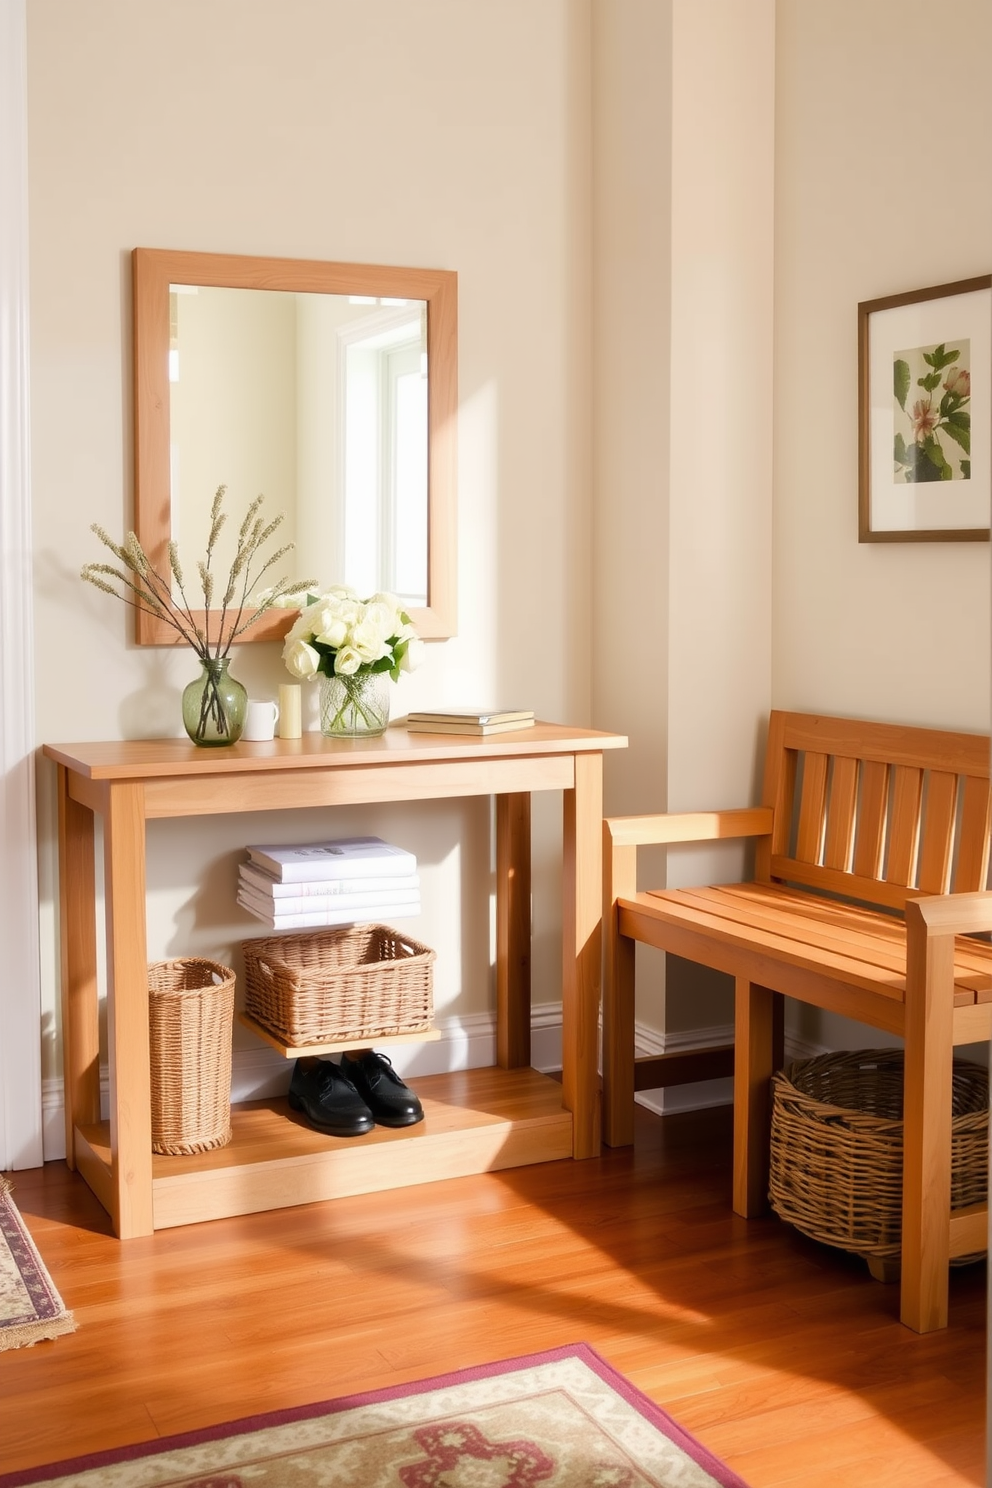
{"x":688,"y":826}
{"x":951,"y":914}
{"x":623,"y":835}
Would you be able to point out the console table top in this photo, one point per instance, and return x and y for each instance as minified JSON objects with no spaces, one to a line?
{"x":135,"y":759}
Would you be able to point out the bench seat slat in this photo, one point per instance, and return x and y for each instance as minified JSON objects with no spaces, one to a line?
{"x":851,"y":969}
{"x":834,"y":932}
{"x":975,"y":955}
{"x":818,"y":986}
{"x":877,"y":939}
{"x":831,"y":930}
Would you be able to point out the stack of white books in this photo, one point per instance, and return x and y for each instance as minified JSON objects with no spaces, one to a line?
{"x":349,"y":881}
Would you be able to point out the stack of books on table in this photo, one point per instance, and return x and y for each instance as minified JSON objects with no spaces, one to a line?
{"x":352,"y":880}
{"x":471,"y":721}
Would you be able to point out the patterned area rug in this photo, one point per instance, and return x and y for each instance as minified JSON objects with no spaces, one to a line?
{"x":561,"y":1419}
{"x":30,"y":1307}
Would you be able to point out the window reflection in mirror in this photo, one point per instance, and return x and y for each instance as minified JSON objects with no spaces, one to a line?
{"x":297,"y":428}
{"x":319,"y":401}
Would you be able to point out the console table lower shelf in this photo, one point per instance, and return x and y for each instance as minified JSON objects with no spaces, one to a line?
{"x":475,"y":1121}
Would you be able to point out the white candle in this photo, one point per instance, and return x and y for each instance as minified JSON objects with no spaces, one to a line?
{"x":290,"y":710}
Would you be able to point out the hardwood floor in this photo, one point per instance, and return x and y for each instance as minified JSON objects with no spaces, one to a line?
{"x":784,"y":1357}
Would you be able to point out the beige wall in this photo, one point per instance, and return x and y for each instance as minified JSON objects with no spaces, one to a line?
{"x":879,"y":190}
{"x":438,"y":134}
{"x":882,"y":186}
{"x":540,"y":148}
{"x":683,"y":222}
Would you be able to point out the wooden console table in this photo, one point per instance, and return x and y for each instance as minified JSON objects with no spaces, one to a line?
{"x":476,"y":1119}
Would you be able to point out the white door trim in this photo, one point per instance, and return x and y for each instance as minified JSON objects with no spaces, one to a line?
{"x":20,"y":988}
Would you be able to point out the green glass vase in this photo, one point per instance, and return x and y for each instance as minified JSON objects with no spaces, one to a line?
{"x":214,"y":705}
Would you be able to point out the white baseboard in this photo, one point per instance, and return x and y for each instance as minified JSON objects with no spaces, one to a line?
{"x":465,"y":1043}
{"x":698,"y":1096}
{"x":703,"y":1093}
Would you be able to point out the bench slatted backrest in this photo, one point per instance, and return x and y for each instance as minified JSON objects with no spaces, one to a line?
{"x":873,"y":811}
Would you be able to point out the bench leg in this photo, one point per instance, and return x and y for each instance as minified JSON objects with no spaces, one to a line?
{"x":757,"y":1046}
{"x":620,"y":877}
{"x":618,"y":1042}
{"x":926,"y":1193}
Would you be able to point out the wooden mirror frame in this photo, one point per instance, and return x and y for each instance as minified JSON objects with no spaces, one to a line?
{"x":154,"y":270}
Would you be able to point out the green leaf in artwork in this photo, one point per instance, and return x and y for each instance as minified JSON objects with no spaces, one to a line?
{"x":960,"y":433}
{"x":941,"y":357}
{"x":936,"y":456}
{"x":900,"y":454}
{"x":928,"y":462}
{"x":901,"y":378}
{"x":966,"y":469}
{"x":929,"y":382}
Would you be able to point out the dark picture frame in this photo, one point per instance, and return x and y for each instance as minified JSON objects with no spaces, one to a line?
{"x":925,"y":414}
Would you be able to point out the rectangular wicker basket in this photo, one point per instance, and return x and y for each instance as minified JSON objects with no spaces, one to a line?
{"x":359,"y":982}
{"x":837,"y":1148}
{"x":191,"y":1019}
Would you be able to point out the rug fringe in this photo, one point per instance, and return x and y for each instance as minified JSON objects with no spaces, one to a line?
{"x":24,"y":1335}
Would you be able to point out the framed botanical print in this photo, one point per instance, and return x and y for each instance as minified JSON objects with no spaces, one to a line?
{"x":925,"y":410}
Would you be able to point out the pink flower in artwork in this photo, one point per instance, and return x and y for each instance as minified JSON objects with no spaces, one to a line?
{"x":924,"y":418}
{"x":958,"y":380}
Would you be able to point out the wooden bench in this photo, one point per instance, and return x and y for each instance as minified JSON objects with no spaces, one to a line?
{"x":871,"y":856}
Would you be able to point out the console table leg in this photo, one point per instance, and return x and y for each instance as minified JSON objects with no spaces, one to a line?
{"x":582,"y":943}
{"x":513,"y":930}
{"x":127,"y":999}
{"x":80,"y":1011}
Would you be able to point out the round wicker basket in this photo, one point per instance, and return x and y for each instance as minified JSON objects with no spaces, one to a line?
{"x":191,"y":1019}
{"x":837,"y":1144}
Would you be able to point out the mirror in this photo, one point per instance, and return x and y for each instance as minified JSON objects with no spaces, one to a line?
{"x":332,"y":388}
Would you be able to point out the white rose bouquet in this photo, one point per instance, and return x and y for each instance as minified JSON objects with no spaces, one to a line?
{"x":340,"y":635}
{"x":351,"y":641}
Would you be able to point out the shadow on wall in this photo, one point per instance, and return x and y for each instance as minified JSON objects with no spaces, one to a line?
{"x":154,"y":710}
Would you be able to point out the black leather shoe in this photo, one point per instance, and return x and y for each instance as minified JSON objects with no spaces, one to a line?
{"x":391,"y":1102}
{"x":329,"y":1100}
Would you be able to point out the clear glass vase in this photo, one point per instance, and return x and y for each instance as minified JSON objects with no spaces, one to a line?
{"x":355,"y":707}
{"x":214,"y":705}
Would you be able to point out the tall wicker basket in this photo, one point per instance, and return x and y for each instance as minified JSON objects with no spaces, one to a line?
{"x":837,"y":1145}
{"x":191,"y":1017}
